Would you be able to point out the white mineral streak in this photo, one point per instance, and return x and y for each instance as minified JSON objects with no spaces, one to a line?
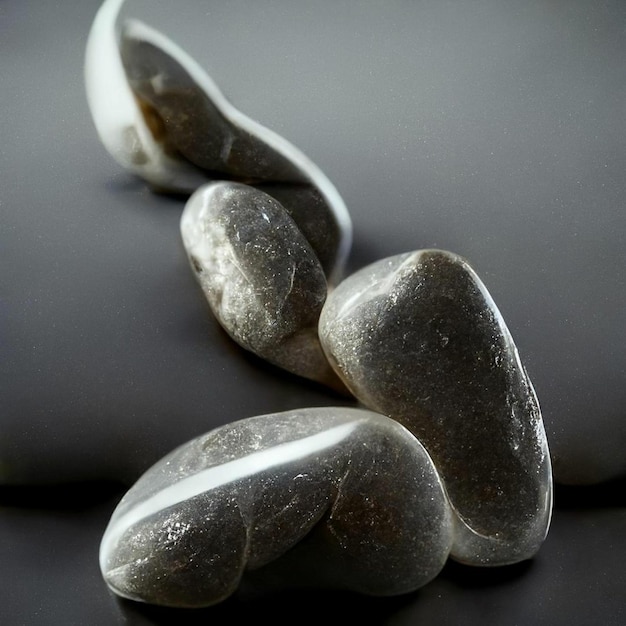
{"x":337,"y":496}
{"x":220,"y":475}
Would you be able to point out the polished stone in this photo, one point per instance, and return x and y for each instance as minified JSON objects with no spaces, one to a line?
{"x":340,"y":497}
{"x":162,"y":117}
{"x":417,"y":337}
{"x":316,"y":221}
{"x":128,"y":134}
{"x":186,"y":118}
{"x":261,"y":277}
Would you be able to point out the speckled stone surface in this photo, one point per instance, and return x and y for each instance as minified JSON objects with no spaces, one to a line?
{"x":261,"y":277}
{"x":417,"y":337}
{"x":348,"y":498}
{"x":315,"y":219}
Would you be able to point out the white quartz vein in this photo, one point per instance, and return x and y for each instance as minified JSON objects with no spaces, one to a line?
{"x":220,"y":475}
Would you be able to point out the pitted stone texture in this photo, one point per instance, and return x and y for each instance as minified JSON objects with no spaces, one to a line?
{"x":261,"y":277}
{"x":417,"y":337}
{"x":340,"y":497}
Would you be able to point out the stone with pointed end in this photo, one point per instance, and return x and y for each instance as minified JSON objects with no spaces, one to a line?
{"x":330,"y":496}
{"x":417,"y":337}
{"x":163,"y":118}
{"x":128,"y":134}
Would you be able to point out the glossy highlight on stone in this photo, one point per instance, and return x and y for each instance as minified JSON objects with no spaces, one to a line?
{"x":261,"y":277}
{"x":337,"y":497}
{"x":417,"y":337}
{"x":162,"y":117}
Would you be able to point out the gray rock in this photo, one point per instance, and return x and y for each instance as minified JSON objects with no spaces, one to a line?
{"x":312,"y":214}
{"x":341,"y":497}
{"x":187,"y":121}
{"x":162,"y":117}
{"x":261,"y":277}
{"x":417,"y":337}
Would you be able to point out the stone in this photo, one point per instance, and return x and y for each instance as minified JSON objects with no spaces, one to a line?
{"x":316,"y":222}
{"x":163,"y":118}
{"x":341,"y":497}
{"x":262,"y":279}
{"x":418,"y":338}
{"x":128,"y":134}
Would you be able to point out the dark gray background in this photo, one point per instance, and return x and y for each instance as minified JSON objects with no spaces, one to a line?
{"x":495,"y":129}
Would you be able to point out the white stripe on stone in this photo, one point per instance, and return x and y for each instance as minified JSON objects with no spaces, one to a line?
{"x":220,"y":475}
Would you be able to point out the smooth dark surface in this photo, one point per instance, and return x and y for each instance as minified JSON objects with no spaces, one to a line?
{"x":492,"y":129}
{"x":416,"y":337}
